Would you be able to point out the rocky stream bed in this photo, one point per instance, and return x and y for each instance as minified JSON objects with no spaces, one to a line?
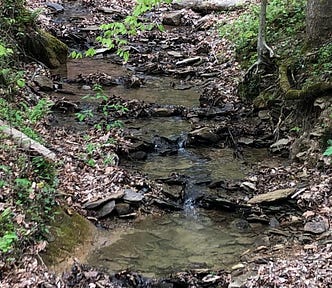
{"x":201,"y":189}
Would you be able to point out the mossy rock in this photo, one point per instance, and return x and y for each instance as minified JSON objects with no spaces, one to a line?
{"x":70,"y":236}
{"x":46,"y":48}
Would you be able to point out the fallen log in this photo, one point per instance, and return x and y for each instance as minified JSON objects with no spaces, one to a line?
{"x":26,"y":142}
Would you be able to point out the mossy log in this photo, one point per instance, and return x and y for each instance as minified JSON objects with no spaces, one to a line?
{"x":46,"y":48}
{"x":308,"y":93}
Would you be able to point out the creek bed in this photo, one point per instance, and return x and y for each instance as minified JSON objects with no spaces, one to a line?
{"x":157,"y":246}
{"x":160,"y":245}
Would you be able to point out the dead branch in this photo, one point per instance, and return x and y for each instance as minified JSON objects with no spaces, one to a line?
{"x":26,"y":142}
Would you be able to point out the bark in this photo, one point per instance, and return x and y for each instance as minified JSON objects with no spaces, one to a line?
{"x":262,"y":47}
{"x":319,"y":21}
{"x":26,"y":142}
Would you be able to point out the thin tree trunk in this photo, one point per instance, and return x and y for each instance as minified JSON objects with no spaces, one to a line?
{"x":262,"y":47}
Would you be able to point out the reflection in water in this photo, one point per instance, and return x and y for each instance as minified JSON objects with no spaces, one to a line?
{"x":158,"y":246}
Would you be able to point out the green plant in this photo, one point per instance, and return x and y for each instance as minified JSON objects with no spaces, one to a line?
{"x":328,"y":150}
{"x":85,"y":114}
{"x":114,"y":34}
{"x":284,"y":20}
{"x":7,"y":233}
{"x":295,"y":129}
{"x":24,"y":117}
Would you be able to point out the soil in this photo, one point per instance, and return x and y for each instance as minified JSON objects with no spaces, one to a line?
{"x":298,"y":249}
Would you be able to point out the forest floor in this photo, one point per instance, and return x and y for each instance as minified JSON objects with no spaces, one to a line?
{"x":300,"y":250}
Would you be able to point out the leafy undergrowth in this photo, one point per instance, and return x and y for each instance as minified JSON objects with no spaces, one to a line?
{"x":285,"y":27}
{"x":27,"y":184}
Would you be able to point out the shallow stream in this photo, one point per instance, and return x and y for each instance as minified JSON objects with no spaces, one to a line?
{"x":193,"y":238}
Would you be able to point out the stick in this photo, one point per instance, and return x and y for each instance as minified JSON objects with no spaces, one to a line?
{"x":26,"y":142}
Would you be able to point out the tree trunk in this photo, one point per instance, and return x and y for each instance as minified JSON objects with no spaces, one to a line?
{"x":319,"y":21}
{"x":261,"y":42}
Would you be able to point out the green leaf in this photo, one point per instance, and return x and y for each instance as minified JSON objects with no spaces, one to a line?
{"x":90,"y":52}
{"x":328,"y":151}
{"x":20,"y":82}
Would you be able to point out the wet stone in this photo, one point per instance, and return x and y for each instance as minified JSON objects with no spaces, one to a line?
{"x":241,"y":225}
{"x":205,"y":135}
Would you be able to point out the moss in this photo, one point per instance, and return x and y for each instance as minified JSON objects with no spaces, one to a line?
{"x":67,"y":233}
{"x":46,"y":48}
{"x":263,"y":99}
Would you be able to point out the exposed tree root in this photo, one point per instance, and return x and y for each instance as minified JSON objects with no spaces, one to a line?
{"x":309,"y":93}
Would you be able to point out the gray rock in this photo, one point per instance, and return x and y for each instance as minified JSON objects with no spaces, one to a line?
{"x":132,"y":196}
{"x":55,"y":6}
{"x":123,"y":209}
{"x":208,"y":5}
{"x":272,"y":196}
{"x":173,"y":18}
{"x":44,"y":83}
{"x":241,"y":225}
{"x":106,"y":209}
{"x":163,"y":112}
{"x":204,"y":134}
{"x":317,"y":226}
{"x":264,"y":115}
{"x":280,"y":145}
{"x":97,"y":203}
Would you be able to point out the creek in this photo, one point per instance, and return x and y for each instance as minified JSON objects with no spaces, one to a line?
{"x":194,"y":237}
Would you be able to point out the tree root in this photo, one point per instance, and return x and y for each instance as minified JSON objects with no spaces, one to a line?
{"x":308,"y":93}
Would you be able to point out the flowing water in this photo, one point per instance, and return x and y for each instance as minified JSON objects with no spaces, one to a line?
{"x":193,"y":238}
{"x":159,"y":246}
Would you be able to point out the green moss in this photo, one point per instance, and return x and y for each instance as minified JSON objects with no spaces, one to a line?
{"x":46,"y":48}
{"x":68,"y":232}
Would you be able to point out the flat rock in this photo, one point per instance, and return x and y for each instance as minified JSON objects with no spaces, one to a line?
{"x":132,"y":196}
{"x":204,"y":134}
{"x":281,"y":144}
{"x":106,"y":209}
{"x":97,"y":203}
{"x":44,"y":83}
{"x":272,"y":196}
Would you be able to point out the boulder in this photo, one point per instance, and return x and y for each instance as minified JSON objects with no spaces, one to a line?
{"x":46,"y":48}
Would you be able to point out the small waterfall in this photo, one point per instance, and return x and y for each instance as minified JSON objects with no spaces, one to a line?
{"x":182,"y":141}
